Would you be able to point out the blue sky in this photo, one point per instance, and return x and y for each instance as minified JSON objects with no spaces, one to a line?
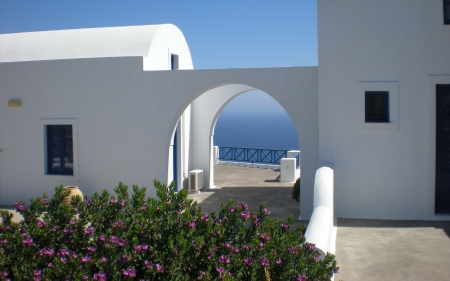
{"x":220,"y":33}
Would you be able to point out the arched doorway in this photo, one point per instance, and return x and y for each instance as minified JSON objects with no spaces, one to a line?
{"x":192,"y":140}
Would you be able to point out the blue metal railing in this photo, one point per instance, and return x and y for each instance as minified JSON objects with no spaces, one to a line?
{"x":253,"y":155}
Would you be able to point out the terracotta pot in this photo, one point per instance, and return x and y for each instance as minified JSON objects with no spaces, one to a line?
{"x":74,"y":191}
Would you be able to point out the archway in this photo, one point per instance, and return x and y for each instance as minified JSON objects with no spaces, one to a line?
{"x":203,"y":113}
{"x":207,"y":91}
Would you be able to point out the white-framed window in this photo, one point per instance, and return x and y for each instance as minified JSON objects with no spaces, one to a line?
{"x":377,"y":106}
{"x":60,"y":153}
{"x":59,"y":149}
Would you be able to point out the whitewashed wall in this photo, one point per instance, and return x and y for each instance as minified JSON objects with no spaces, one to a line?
{"x":124,"y":119}
{"x":381,"y":171}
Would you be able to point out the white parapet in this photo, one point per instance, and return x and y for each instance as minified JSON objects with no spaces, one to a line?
{"x":216,"y":154}
{"x":292,"y":154}
{"x":320,"y":229}
{"x":288,"y":167}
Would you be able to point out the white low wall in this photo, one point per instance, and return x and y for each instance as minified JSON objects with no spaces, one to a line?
{"x":288,"y":168}
{"x":321,"y":230}
{"x":248,"y":164}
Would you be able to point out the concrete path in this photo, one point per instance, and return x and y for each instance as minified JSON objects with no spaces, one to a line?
{"x":393,"y":250}
{"x":252,"y":186}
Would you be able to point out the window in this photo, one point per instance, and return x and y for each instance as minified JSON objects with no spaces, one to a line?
{"x":377,"y":107}
{"x":59,"y":150}
{"x":446,"y":11}
{"x":173,"y":61}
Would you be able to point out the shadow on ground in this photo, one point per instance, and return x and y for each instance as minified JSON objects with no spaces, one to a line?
{"x":439,"y":225}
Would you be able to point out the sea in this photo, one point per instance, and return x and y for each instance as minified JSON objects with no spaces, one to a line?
{"x":263,"y":130}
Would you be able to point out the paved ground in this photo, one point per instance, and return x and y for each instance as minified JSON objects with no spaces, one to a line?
{"x":365,"y":249}
{"x":393,"y":250}
{"x":252,"y":186}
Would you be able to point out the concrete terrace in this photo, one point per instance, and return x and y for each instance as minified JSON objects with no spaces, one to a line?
{"x":252,"y":186}
{"x":365,"y":249}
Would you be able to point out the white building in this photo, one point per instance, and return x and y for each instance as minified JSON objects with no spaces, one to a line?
{"x":368,"y":110}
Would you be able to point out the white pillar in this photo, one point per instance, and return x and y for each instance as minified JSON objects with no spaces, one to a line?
{"x":288,"y":169}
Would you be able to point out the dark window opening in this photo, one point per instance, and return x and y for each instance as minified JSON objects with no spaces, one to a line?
{"x":173,"y":61}
{"x":59,"y":150}
{"x":446,"y":11}
{"x":377,"y":107}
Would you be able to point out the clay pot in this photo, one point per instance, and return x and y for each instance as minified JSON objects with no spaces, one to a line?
{"x":74,"y":191}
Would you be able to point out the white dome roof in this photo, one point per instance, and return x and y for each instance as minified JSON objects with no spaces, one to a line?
{"x":126,"y":41}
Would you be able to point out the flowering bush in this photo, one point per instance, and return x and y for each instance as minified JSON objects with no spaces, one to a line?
{"x":170,"y":238}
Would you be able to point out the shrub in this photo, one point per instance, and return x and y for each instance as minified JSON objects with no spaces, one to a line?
{"x":296,"y":190}
{"x":169,"y":238}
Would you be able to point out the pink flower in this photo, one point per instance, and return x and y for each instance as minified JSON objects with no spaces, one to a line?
{"x":129,"y":273}
{"x":191,"y":224}
{"x":279,"y":261}
{"x":245,"y":215}
{"x":89,"y":230}
{"x":301,"y":277}
{"x":159,"y":268}
{"x":91,"y":249}
{"x":148,"y":264}
{"x":100,"y":276}
{"x":264,"y":261}
{"x":242,"y":205}
{"x":265,"y":237}
{"x":19,"y":206}
{"x":224,"y":259}
{"x":113,"y":239}
{"x":28,"y":241}
{"x":248,"y":261}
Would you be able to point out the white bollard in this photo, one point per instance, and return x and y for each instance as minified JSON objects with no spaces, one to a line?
{"x":288,"y":169}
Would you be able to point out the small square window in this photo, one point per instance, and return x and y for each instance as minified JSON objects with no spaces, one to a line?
{"x":59,"y":150}
{"x":446,"y":11}
{"x":377,"y":107}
